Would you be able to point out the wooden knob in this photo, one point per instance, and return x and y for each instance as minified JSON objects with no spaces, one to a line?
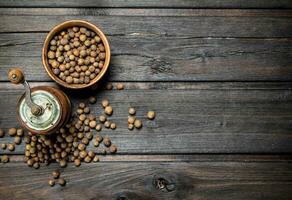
{"x":16,"y":76}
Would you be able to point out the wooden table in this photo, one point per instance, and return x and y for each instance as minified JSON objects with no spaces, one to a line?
{"x":218,"y":74}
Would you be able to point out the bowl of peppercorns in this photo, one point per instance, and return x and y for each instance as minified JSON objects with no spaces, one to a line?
{"x":76,"y":54}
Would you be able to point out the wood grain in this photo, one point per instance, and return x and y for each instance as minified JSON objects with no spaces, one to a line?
{"x":246,"y":120}
{"x":151,"y":3}
{"x":151,"y":58}
{"x":194,"y":26}
{"x":163,"y":12}
{"x":134,"y":180}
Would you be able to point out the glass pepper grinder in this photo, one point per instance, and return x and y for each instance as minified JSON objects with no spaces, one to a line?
{"x":42,"y":109}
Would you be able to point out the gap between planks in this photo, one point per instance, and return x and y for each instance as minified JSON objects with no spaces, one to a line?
{"x":188,"y":158}
{"x":197,"y":85}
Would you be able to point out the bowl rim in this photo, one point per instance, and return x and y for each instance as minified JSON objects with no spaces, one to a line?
{"x":62,"y":26}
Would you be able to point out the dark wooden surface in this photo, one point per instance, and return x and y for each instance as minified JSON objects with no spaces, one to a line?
{"x":218,"y":73}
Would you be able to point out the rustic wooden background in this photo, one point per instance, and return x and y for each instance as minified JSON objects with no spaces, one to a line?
{"x":218,"y":73}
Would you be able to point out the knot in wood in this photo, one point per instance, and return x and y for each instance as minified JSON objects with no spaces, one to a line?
{"x":163,"y":184}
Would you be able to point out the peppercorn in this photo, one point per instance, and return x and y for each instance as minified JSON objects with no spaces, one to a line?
{"x":132,"y":111}
{"x":77,"y":162}
{"x":107,"y":124}
{"x":120,"y":86}
{"x":69,"y":138}
{"x":130,"y":126}
{"x":85,"y":141}
{"x":96,"y":159}
{"x":103,"y":152}
{"x":96,"y":143}
{"x":138,"y":123}
{"x":12,"y":131}
{"x":81,"y":147}
{"x":3,"y":146}
{"x":56,"y":174}
{"x":63,"y":163}
{"x":82,"y":117}
{"x":81,"y":105}
{"x":113,"y":149}
{"x":62,"y":181}
{"x":51,"y":183}
{"x":79,"y":111}
{"x":98,"y":127}
{"x":109,"y":86}
{"x":86,"y":110}
{"x":19,"y":132}
{"x":82,"y":154}
{"x":92,"y":100}
{"x":102,"y":118}
{"x":92,"y":124}
{"x":105,"y":103}
{"x":108,"y":110}
{"x":2,"y":133}
{"x":17,"y":140}
{"x":36,"y":165}
{"x":11,"y":147}
{"x":131,"y":120}
{"x":151,"y":115}
{"x":5,"y":159}
{"x":91,"y":154}
{"x":87,"y":159}
{"x":98,"y":138}
{"x":89,"y":135}
{"x":106,"y":142}
{"x":113,"y":126}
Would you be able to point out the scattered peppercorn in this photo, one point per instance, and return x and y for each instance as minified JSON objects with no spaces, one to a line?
{"x":12,"y":131}
{"x":2,"y":133}
{"x":105,"y":103}
{"x":102,"y":118}
{"x":113,"y":126}
{"x":130,"y":126}
{"x":19,"y":132}
{"x":106,"y":142}
{"x":138,"y":123}
{"x":151,"y":115}
{"x":62,"y":181}
{"x":108,"y":110}
{"x":131,"y":120}
{"x":96,"y":159}
{"x":109,"y":86}
{"x":3,"y":146}
{"x":120,"y":86}
{"x":11,"y":147}
{"x":5,"y":159}
{"x":56,"y":174}
{"x":92,"y":100}
{"x":98,"y":127}
{"x":51,"y":183}
{"x":107,"y":124}
{"x":132,"y":111}
{"x":113,"y":148}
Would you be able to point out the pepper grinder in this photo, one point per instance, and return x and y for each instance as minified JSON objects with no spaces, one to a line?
{"x":42,"y":109}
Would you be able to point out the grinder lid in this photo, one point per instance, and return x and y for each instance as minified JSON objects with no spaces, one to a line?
{"x":50,"y":115}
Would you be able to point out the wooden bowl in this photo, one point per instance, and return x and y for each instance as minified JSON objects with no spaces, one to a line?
{"x":63,"y":26}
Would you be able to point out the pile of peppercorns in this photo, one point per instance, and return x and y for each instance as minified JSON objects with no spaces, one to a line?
{"x":70,"y":142}
{"x":76,"y":55}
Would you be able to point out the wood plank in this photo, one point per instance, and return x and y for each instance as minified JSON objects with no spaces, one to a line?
{"x":146,"y":12}
{"x":207,"y":120}
{"x":193,"y":26}
{"x":134,"y":180}
{"x":151,"y":3}
{"x":150,"y":58}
